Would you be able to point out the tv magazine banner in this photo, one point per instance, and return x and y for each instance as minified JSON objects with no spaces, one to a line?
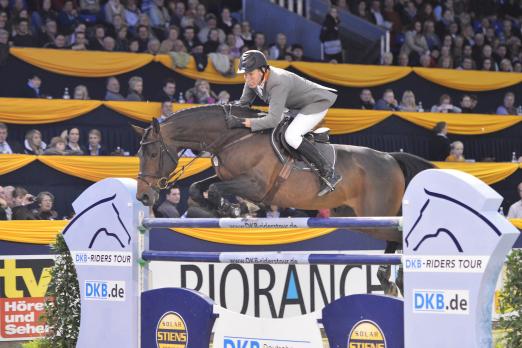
{"x":23,"y":283}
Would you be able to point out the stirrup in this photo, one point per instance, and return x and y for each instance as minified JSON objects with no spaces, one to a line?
{"x":327,"y":186}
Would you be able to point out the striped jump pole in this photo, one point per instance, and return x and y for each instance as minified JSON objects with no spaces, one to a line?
{"x":273,"y":258}
{"x":333,"y":222}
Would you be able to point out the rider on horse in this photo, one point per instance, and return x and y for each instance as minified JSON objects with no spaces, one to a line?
{"x":283,"y":89}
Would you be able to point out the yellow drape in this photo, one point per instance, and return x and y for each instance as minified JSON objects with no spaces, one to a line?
{"x":38,"y":111}
{"x":490,"y":173}
{"x":103,"y":64}
{"x":82,"y":63}
{"x":351,"y":75}
{"x":45,"y":231}
{"x":95,"y":168}
{"x":210,"y":73}
{"x":9,"y":163}
{"x":257,"y":236}
{"x":31,"y":231}
{"x":342,"y":121}
{"x":469,"y":124}
{"x":470,"y":81}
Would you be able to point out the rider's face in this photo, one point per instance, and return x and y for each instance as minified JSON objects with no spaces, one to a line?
{"x":253,"y":78}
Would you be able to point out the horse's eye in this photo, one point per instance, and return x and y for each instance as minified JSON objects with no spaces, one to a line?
{"x":154,"y":154}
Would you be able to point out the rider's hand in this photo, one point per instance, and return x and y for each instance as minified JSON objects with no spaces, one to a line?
{"x":235,"y":122}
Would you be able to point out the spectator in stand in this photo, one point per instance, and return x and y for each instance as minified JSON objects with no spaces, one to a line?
{"x":445,"y":105}
{"x":467,"y":64}
{"x":33,"y":88}
{"x":487,"y":65}
{"x":166,"y":111}
{"x":246,"y":34}
{"x":73,"y":142}
{"x":212,"y":43}
{"x":440,"y":145}
{"x":23,"y":36}
{"x":143,"y":38}
{"x":109,"y":44}
{"x":9,"y":199}
{"x":199,"y":17}
{"x":80,"y":43}
{"x":168,"y":91}
{"x":408,"y":101}
{"x":58,"y":43}
{"x":279,"y":48}
{"x":298,"y":53}
{"x":33,"y":144}
{"x":57,"y":147}
{"x":474,"y":102}
{"x":190,"y":39}
{"x":376,"y":16}
{"x":96,"y":43}
{"x":465,"y":104}
{"x":388,"y":101}
{"x":8,"y":147}
{"x":200,"y":93}
{"x":330,"y":37}
{"x":178,"y":13}
{"x":211,"y":23}
{"x":95,"y":148}
{"x":425,"y":61}
{"x":403,"y":60}
{"x":508,"y":106}
{"x":3,"y":205}
{"x":89,"y":10}
{"x":131,"y":13}
{"x":506,"y":66}
{"x":172,"y":34}
{"x":42,"y":15}
{"x":456,"y":152}
{"x":233,"y":51}
{"x":169,"y":208}
{"x":366,"y":100}
{"x":135,"y":89}
{"x":68,"y":17}
{"x":226,"y":21}
{"x":445,"y":63}
{"x":415,"y":44}
{"x":362,"y":11}
{"x":159,"y":15}
{"x":223,"y":97}
{"x":153,"y":46}
{"x":113,"y":7}
{"x":259,"y":42}
{"x":22,"y":201}
{"x":44,"y":207}
{"x":48,"y":33}
{"x":515,"y":210}
{"x":113,"y":89}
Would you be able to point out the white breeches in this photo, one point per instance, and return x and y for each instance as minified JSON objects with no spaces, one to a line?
{"x":301,"y":125}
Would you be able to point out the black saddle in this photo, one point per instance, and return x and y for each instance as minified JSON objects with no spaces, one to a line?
{"x":320,"y":138}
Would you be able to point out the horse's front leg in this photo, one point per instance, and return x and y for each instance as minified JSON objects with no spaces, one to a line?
{"x":197,"y":189}
{"x":243,"y":186}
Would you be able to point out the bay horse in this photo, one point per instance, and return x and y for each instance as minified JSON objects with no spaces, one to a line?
{"x":373,"y":182}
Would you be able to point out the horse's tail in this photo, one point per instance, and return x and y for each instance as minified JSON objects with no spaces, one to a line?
{"x":411,"y":165}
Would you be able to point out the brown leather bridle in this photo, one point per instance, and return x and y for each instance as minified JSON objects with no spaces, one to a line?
{"x":162,"y":182}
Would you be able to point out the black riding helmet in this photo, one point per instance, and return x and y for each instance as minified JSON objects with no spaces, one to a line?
{"x":252,"y":60}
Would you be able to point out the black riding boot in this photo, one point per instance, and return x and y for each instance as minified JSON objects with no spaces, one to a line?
{"x":329,"y":177}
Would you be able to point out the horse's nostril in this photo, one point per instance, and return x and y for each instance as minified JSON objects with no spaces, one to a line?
{"x":145,"y":199}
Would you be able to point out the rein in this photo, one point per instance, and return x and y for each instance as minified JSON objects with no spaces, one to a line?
{"x":163,"y":182}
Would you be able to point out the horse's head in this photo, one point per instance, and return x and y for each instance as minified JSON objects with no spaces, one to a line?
{"x":157,"y":162}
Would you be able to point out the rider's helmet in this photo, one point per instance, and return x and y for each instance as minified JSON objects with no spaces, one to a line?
{"x":252,"y":60}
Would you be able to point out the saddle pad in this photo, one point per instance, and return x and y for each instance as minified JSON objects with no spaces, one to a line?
{"x":327,"y":150}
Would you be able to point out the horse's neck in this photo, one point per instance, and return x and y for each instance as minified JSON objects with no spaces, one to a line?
{"x":202,"y":138}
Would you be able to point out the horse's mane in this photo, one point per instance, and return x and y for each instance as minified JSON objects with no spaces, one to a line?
{"x":239,"y":111}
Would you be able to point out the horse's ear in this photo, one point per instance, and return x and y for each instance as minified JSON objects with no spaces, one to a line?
{"x":138,"y":130}
{"x":156,"y":125}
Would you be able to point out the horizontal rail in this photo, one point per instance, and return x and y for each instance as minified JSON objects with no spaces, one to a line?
{"x":393,"y":222}
{"x":272,"y":258}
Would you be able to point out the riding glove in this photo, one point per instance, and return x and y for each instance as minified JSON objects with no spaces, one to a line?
{"x":235,"y":122}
